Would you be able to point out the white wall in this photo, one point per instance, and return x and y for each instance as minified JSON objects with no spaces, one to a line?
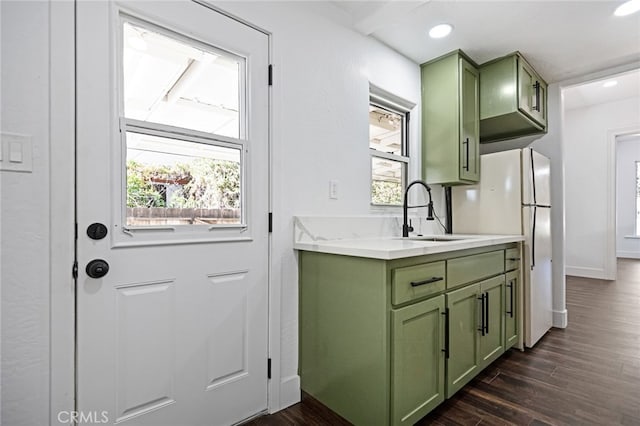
{"x":587,"y":135}
{"x":322,"y":74}
{"x":551,"y":145}
{"x":627,"y":154}
{"x":24,"y":109}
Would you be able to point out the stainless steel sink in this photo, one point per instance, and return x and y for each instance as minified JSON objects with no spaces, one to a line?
{"x":440,"y":238}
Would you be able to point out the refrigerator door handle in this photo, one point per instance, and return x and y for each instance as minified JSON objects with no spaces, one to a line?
{"x":533,"y":177}
{"x":533,"y":237}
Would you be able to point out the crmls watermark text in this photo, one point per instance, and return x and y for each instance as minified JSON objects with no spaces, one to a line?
{"x":83,"y":417}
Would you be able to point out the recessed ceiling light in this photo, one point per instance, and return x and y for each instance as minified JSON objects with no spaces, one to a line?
{"x":627,"y":8}
{"x":440,"y":31}
{"x":610,"y":83}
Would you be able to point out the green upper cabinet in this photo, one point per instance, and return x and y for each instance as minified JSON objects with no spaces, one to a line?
{"x":450,"y":120}
{"x":532,"y":93}
{"x":513,"y":99}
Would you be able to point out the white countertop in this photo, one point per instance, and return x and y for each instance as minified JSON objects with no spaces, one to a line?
{"x":389,"y":248}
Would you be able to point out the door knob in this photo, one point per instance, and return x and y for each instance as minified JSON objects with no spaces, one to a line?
{"x":97,"y":268}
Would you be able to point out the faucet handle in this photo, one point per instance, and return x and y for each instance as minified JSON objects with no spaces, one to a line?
{"x":410,"y":228}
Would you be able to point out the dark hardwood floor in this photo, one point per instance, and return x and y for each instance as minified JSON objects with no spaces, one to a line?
{"x":586,"y":374}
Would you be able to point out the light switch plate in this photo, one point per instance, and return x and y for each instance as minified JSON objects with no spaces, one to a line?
{"x":16,"y":152}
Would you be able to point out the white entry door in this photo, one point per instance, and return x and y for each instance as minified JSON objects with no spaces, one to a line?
{"x":172,"y":214}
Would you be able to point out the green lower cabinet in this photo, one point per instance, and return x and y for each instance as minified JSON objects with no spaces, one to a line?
{"x":383,"y":342}
{"x":511,"y":294}
{"x":418,"y":358}
{"x":492,"y":337}
{"x":476,"y":330}
{"x":463,"y":363}
{"x":345,"y":335}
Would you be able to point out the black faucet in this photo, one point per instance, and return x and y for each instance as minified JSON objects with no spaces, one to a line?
{"x":406,"y":228}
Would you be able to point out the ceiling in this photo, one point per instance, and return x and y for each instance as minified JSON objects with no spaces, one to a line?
{"x":561,"y":39}
{"x":595,"y":92}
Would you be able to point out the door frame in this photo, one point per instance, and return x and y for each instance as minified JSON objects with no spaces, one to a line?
{"x":611,"y":259}
{"x":62,"y":244}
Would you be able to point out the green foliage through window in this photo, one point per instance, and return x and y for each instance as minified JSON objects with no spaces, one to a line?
{"x":201,"y":184}
{"x":385,"y":192}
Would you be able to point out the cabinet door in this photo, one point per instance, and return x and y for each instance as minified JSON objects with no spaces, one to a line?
{"x":532,"y":93}
{"x":526,"y":81}
{"x":492,"y":337}
{"x":511,"y":294}
{"x":464,"y":319}
{"x":418,"y":360}
{"x":539,"y":101}
{"x":469,"y":122}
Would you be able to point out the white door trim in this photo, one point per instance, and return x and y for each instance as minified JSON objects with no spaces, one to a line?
{"x":62,"y":197}
{"x":610,"y":261}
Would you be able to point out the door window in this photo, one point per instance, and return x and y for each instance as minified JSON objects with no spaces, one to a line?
{"x":183,"y":130}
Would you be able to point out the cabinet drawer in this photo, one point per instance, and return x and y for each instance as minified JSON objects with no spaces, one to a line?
{"x":512,"y":259}
{"x":467,"y":269}
{"x":413,"y":282}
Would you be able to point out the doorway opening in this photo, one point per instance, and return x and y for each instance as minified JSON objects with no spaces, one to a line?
{"x":628,"y":196}
{"x":595,"y":114}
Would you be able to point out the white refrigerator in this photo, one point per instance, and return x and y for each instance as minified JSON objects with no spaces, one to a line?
{"x":514,"y":197}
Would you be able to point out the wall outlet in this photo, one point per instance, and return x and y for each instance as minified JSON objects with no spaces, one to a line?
{"x":333,"y":189}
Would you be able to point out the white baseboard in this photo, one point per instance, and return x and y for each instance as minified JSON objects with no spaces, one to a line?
{"x":289,"y":391}
{"x":577,"y":271}
{"x":628,"y":254}
{"x":560,"y":319}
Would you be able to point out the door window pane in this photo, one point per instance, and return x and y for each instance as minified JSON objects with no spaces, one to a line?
{"x":176,"y":182}
{"x":185,"y":84}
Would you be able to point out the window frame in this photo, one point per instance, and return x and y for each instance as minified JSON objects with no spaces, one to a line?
{"x":637,"y":198}
{"x":153,"y":235}
{"x":129,"y":125}
{"x":384,"y":102}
